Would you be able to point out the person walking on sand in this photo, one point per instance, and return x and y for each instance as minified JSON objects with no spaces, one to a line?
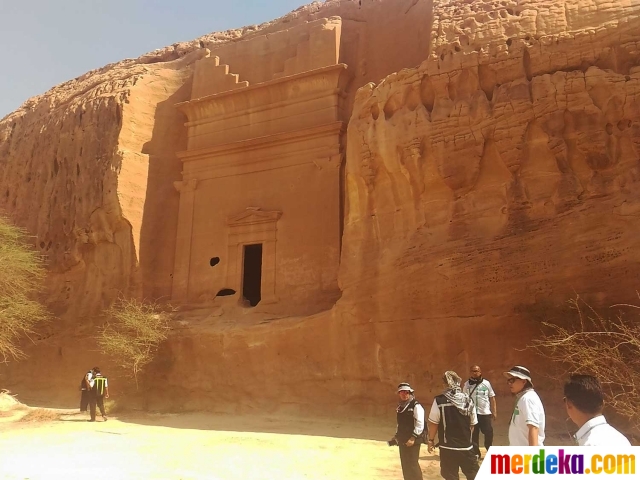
{"x":85,"y":390}
{"x":484,"y":399}
{"x":99,"y":391}
{"x":584,"y":401}
{"x":452,"y":418}
{"x":526,"y":427}
{"x":409,"y":431}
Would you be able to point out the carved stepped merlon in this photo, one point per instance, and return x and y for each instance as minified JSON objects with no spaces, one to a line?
{"x":211,"y":77}
{"x":311,"y":51}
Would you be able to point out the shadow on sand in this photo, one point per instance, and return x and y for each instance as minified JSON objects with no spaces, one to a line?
{"x":360,"y":428}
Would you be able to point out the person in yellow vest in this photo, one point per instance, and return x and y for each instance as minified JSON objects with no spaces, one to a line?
{"x":99,"y":391}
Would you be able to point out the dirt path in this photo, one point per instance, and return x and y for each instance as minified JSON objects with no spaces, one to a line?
{"x":196,"y":446}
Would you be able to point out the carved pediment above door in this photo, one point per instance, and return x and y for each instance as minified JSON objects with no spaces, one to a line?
{"x":253,"y":216}
{"x":249,"y":227}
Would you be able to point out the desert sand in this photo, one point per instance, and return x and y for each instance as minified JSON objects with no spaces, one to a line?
{"x":195,"y":446}
{"x":39,"y":443}
{"x":486,"y":172}
{"x":188,"y":447}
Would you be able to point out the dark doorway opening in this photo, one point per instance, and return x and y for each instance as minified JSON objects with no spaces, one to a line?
{"x":252,"y":273}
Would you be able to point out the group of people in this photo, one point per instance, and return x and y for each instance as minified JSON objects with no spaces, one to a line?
{"x":458,"y":416}
{"x":94,"y":389}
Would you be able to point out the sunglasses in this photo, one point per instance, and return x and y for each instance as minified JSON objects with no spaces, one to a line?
{"x":512,"y":380}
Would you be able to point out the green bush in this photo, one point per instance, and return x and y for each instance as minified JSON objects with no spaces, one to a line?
{"x":132,"y":334}
{"x":22,"y":275}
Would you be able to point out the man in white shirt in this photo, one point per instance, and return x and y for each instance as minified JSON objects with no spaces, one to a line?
{"x":584,"y":401}
{"x":484,"y":400}
{"x":528,"y":418}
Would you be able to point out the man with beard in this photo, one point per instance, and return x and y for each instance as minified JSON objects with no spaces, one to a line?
{"x":452,"y":418}
{"x":527,"y":422}
{"x":408,"y":437}
{"x":484,"y":399}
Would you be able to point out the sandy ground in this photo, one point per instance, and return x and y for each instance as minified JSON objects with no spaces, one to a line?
{"x":194,"y":446}
{"x":61,"y":444}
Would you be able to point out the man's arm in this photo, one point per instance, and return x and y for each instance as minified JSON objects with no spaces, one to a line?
{"x":494,"y":408}
{"x":432,"y":425}
{"x":418,"y":424}
{"x":473,"y":419}
{"x":433,"y":431}
{"x":533,"y":435}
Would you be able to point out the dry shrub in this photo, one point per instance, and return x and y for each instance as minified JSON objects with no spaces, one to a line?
{"x":22,"y":275}
{"x":40,"y":415}
{"x":133,"y":333}
{"x":608,"y":348}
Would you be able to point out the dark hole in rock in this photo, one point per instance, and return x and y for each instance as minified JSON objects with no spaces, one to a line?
{"x":214,"y":261}
{"x":226,"y":292}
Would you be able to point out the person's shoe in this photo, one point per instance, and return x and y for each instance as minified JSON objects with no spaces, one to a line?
{"x":90,"y":420}
{"x":104,"y":418}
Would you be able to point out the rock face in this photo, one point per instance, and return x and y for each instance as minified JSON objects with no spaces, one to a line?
{"x":490,"y":174}
{"x":491,"y":178}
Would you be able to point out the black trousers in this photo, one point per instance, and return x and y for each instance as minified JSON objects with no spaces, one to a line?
{"x":99,"y":401}
{"x":452,"y":460}
{"x":84,"y":400}
{"x":409,"y":460}
{"x":484,"y":425}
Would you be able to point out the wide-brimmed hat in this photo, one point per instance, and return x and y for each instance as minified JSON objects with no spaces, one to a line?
{"x":519,"y":372}
{"x":405,"y":387}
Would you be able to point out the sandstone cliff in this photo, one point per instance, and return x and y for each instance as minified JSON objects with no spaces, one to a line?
{"x":489,"y":176}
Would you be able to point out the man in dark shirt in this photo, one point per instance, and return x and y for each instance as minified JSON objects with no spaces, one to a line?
{"x":408,"y":437}
{"x":452,"y":418}
{"x":99,"y":391}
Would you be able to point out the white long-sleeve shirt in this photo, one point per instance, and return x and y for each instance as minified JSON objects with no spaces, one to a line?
{"x":418,"y":420}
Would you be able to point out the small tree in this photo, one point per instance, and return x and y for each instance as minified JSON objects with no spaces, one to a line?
{"x":22,"y":275}
{"x":133,"y":333}
{"x":608,"y":348}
